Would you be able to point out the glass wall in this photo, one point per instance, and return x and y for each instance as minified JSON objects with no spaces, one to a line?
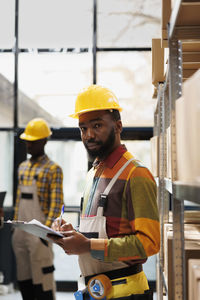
{"x":128,"y":74}
{"x":49,"y":84}
{"x":55,"y":24}
{"x":128,"y":23}
{"x":72,"y":157}
{"x":6,"y":89}
{"x":140,"y":150}
{"x":7,"y":23}
{"x":6,"y":163}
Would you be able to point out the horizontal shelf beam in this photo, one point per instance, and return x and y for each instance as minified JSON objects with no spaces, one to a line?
{"x":183,"y":191}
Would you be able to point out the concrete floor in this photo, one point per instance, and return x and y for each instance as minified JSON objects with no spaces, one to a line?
{"x":15,"y":295}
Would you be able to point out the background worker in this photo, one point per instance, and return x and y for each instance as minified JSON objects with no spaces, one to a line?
{"x":39,"y":196}
{"x":119,"y":225}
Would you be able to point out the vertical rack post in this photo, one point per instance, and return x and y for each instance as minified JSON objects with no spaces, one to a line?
{"x":175,"y":86}
{"x":160,"y":187}
{"x":15,"y":118}
{"x":94,"y":41}
{"x":166,"y":108}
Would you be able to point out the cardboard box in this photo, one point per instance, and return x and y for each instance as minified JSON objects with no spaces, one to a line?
{"x":190,"y":217}
{"x":192,"y":251}
{"x":166,"y":60}
{"x":191,"y":46}
{"x":187,"y":131}
{"x":191,"y":232}
{"x":193,"y":279}
{"x":181,"y":142}
{"x":157,"y":62}
{"x":189,"y":14}
{"x":166,"y":13}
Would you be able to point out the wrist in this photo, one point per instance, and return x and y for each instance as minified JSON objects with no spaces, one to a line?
{"x":88,"y":245}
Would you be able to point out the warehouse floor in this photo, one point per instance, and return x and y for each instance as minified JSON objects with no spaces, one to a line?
{"x":15,"y":295}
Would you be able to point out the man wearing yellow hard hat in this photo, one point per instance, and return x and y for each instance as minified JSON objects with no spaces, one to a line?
{"x":39,"y":196}
{"x":119,"y":224}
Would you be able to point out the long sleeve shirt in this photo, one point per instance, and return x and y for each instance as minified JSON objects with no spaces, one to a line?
{"x":132,"y":220}
{"x":49,"y":180}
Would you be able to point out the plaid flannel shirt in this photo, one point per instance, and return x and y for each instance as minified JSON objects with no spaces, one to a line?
{"x":49,"y":179}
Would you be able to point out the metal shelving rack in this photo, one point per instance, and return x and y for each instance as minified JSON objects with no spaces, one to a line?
{"x":179,"y":30}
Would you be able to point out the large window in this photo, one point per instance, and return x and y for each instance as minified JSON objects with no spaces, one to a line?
{"x":55,"y":23}
{"x":71,"y":156}
{"x":128,"y":23}
{"x":49,"y":83}
{"x":6,"y":163}
{"x":128,"y":74}
{"x":6,"y":89}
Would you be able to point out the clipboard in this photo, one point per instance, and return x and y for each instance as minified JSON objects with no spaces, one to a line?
{"x":36,"y":228}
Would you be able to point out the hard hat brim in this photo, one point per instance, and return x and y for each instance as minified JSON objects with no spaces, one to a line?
{"x":76,"y":115}
{"x":31,"y":138}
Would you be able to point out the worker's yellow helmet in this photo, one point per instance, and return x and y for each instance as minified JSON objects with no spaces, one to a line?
{"x":36,"y":129}
{"x":95,"y":97}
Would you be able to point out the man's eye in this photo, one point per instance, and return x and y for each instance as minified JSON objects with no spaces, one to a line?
{"x":82,"y":129}
{"x":97,"y":126}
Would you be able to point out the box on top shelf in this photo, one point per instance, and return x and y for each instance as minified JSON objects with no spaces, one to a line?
{"x":187,"y":131}
{"x":190,"y":58}
{"x":188,"y":15}
{"x":194,"y":279}
{"x":157,"y":62}
{"x":166,"y":13}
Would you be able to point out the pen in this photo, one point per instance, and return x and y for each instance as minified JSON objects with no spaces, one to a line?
{"x":61,"y":214}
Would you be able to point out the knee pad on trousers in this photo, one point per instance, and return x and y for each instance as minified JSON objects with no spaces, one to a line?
{"x":27,"y":289}
{"x":43,"y":295}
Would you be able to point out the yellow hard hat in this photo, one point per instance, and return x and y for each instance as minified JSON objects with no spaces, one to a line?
{"x":95,"y":97}
{"x":36,"y":129}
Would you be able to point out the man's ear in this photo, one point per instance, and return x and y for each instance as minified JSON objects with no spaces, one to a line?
{"x":44,"y":141}
{"x":118,"y":127}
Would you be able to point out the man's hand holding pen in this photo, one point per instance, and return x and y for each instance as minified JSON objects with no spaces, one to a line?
{"x":61,"y":225}
{"x":73,"y":242}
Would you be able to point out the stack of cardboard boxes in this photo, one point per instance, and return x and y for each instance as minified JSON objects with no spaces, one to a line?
{"x":187,"y":114}
{"x":192,"y":251}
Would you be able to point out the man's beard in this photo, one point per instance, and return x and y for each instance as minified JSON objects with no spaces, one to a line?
{"x":105,"y":148}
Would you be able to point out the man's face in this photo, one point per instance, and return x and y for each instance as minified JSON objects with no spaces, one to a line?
{"x":35,"y":148}
{"x":98,"y":133}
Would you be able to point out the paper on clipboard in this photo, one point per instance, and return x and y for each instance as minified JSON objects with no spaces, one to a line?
{"x":36,"y":228}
